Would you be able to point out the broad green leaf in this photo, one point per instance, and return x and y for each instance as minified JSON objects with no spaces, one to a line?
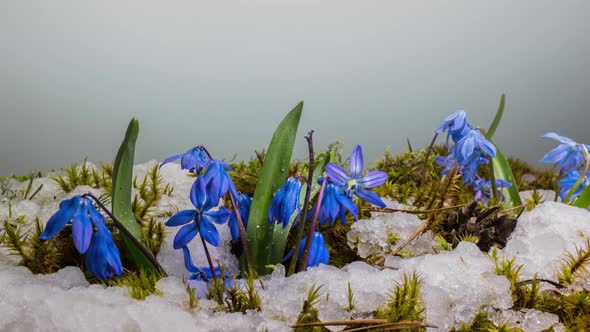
{"x":280,"y":234}
{"x":121,"y":202}
{"x":497,"y":118}
{"x":273,"y":174}
{"x":502,"y":170}
{"x":583,"y":200}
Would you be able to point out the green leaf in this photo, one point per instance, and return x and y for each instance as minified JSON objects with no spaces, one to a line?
{"x":121,"y":202}
{"x":583,"y":200}
{"x":279,"y":240}
{"x":497,"y":118}
{"x":273,"y":174}
{"x":502,"y":170}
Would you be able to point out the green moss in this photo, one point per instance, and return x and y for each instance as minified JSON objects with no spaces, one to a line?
{"x":404,"y":302}
{"x":139,"y":284}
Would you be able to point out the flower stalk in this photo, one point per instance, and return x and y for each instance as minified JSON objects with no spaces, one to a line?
{"x":312,"y":226}
{"x":303,"y":212}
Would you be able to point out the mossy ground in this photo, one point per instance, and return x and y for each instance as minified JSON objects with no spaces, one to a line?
{"x":414,"y":179}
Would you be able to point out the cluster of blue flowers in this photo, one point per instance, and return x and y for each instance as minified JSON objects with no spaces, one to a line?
{"x":470,"y":148}
{"x":339,"y":189}
{"x":206,"y":192}
{"x":102,"y":257}
{"x":570,"y":157}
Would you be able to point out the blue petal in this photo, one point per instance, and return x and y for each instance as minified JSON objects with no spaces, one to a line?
{"x":220,"y":216}
{"x":188,"y":262}
{"x":356,"y":162}
{"x":369,"y":197}
{"x":199,"y":193}
{"x":169,"y":159}
{"x":373,"y":179}
{"x":561,"y":139}
{"x":556,"y":155}
{"x":349,"y":205}
{"x":82,"y":228}
{"x":209,"y":232}
{"x":102,"y":258}
{"x":185,"y":235}
{"x":337,"y":174}
{"x":181,"y":218}
{"x":60,"y":218}
{"x":488,"y":147}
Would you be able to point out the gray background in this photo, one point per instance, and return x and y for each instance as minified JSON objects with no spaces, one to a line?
{"x":223,"y":74}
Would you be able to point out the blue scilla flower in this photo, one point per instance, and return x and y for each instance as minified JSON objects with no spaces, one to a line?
{"x":285,"y":202}
{"x":102,"y":256}
{"x":566,"y":155}
{"x":217,"y":181}
{"x":456,"y":125}
{"x":199,"y":273}
{"x":470,"y":152}
{"x":566,"y":184}
{"x":318,"y":252}
{"x":244,"y":201}
{"x":194,"y":159}
{"x":483,"y":189}
{"x":201,"y":219}
{"x":334,"y":204}
{"x":353,"y":183}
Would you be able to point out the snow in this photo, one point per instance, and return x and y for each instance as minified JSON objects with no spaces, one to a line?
{"x":455,"y":284}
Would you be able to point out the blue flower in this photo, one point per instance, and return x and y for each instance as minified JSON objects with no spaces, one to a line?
{"x":102,"y":256}
{"x":194,"y":159}
{"x":469,"y":152}
{"x":568,"y":182}
{"x":284,"y":202}
{"x":318,"y":252}
{"x":353,"y":183}
{"x":334,"y":204}
{"x":483,"y":189}
{"x":203,"y":217}
{"x":448,"y":162}
{"x":244,"y":201}
{"x":199,"y":273}
{"x":218,"y":182}
{"x":456,"y":125}
{"x":567,"y":155}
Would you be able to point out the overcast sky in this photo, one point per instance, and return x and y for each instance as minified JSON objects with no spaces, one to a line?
{"x":223,"y":74}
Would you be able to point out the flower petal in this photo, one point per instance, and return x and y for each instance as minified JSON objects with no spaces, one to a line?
{"x":199,"y":193}
{"x":356,"y":162}
{"x":559,"y":138}
{"x":59,"y":219}
{"x":337,"y":174}
{"x":373,"y":179}
{"x":185,"y":235}
{"x":82,"y":229}
{"x":188,"y":262}
{"x":209,"y":232}
{"x":170,"y":159}
{"x":556,"y":155}
{"x":220,"y":216}
{"x":181,"y":218}
{"x":369,"y":197}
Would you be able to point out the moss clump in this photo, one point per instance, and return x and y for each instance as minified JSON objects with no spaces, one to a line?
{"x":85,"y":175}
{"x":139,"y":284}
{"x":309,"y":313}
{"x":404,"y":302}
